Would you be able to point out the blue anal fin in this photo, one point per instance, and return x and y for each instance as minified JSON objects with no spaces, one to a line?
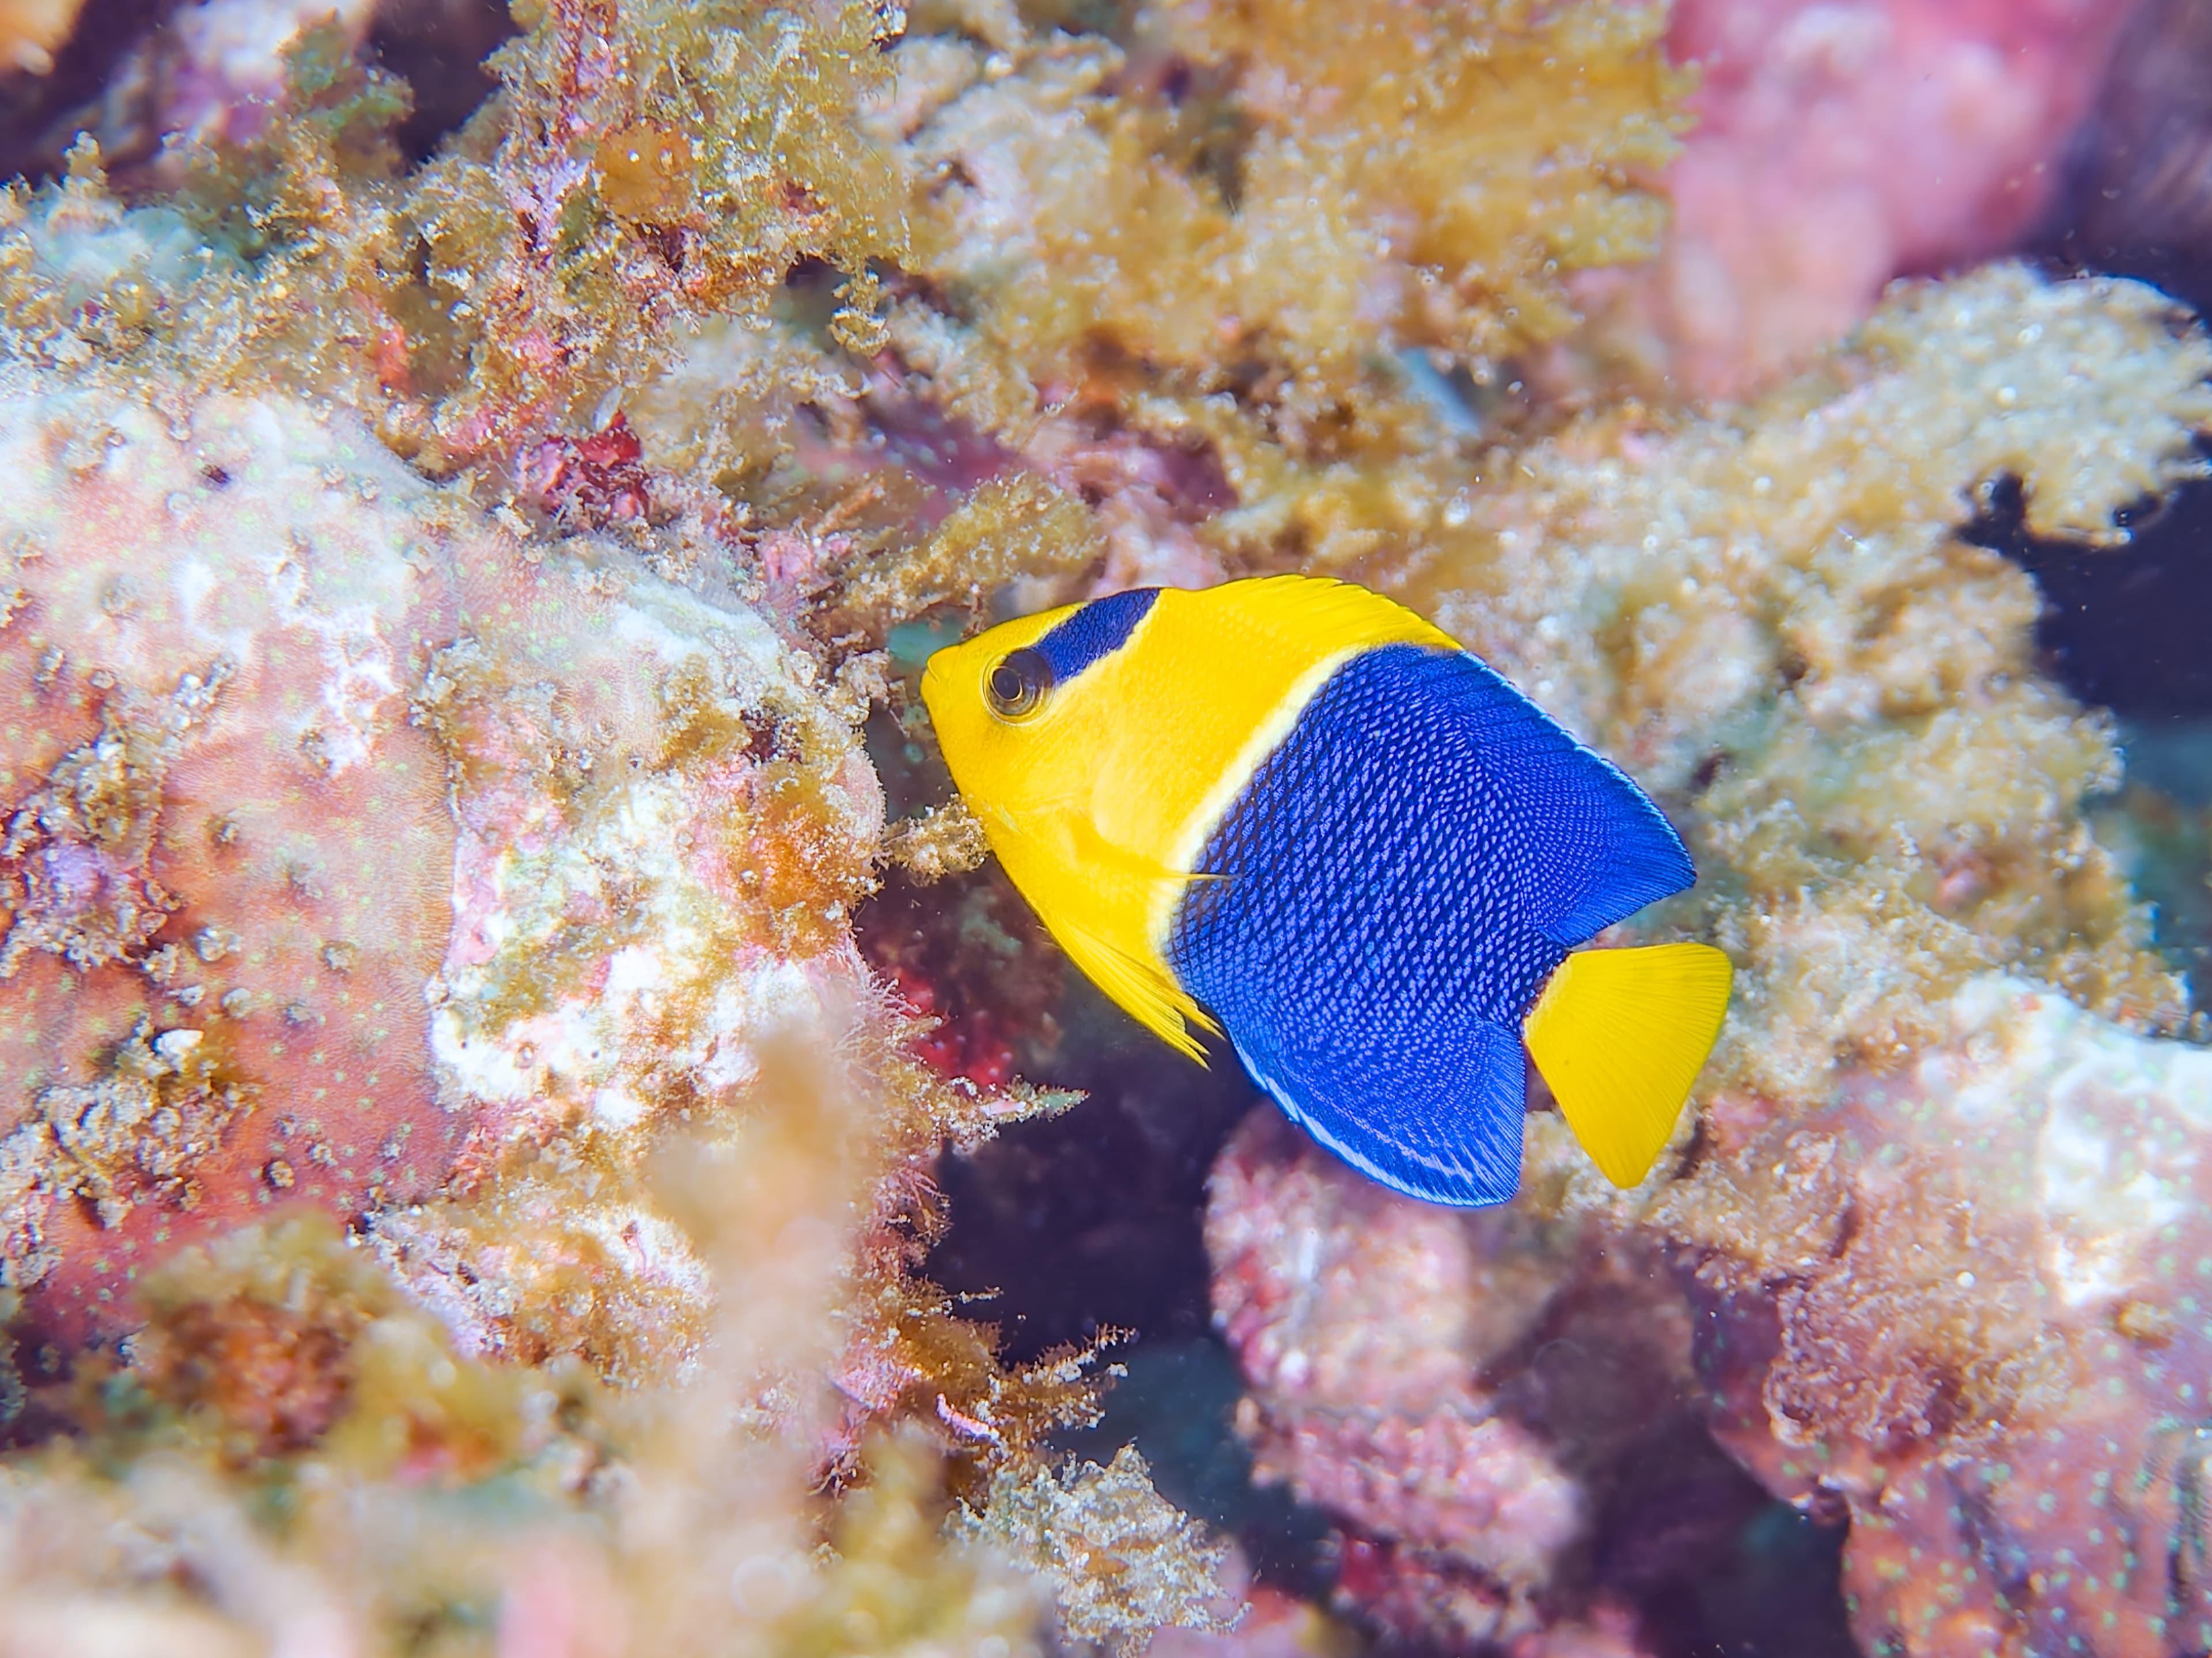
{"x":1597,"y":849}
{"x":1442,"y":1124}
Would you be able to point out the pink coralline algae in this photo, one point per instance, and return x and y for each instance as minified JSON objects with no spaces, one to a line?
{"x":298,"y":740}
{"x":1839,"y":146}
{"x":191,"y":650}
{"x":1389,"y":1349}
{"x":2000,"y":1362}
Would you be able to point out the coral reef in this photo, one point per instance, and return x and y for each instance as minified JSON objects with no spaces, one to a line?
{"x":446,"y":870}
{"x":460,"y":1505}
{"x":1775,"y":620}
{"x":1997,"y":1362}
{"x":1371,"y":1409}
{"x":1839,"y":146}
{"x":1322,"y":161}
{"x":640,"y":818}
{"x":1123,"y":1560}
{"x":1992,"y":1365}
{"x":467,"y":1161}
{"x":1316,"y":256}
{"x":1465,"y":1394}
{"x":578,"y":855}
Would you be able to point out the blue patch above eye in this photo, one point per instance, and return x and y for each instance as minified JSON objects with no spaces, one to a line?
{"x":1102,"y":626}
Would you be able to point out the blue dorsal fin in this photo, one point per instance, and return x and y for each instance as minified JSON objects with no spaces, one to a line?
{"x":1441,"y":1123}
{"x":1597,"y":848}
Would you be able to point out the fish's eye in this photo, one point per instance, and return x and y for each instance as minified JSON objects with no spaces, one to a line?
{"x":1017,"y":684}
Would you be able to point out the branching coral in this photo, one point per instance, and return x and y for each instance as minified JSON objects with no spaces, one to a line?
{"x":1020,"y":525}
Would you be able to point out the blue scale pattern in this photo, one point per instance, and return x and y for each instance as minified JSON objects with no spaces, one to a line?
{"x":1395,"y":884}
{"x":1102,"y":626}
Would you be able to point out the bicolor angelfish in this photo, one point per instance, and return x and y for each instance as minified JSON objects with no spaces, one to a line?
{"x":1291,"y":811}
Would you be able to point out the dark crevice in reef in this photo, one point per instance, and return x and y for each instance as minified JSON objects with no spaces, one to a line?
{"x":1092,"y":1221}
{"x":41,"y":115}
{"x":2121,"y":628}
{"x":1711,"y":1563}
{"x":1177,"y":1405}
{"x":438,"y":47}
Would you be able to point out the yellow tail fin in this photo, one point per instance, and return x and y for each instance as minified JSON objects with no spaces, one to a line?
{"x":1620,"y":1034}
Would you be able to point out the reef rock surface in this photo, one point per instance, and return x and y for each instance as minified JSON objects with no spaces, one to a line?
{"x":351,"y":835}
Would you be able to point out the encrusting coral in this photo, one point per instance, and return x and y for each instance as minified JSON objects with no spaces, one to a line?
{"x":464,"y":1182}
{"x":637,"y":820}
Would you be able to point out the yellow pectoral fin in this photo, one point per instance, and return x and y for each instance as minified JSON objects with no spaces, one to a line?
{"x":1098,"y":897}
{"x":1620,"y":1034}
{"x":1090,"y":850}
{"x":1144,"y":989}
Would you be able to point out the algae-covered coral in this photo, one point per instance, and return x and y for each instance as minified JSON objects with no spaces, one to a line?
{"x":469,"y":1189}
{"x":1779,"y":619}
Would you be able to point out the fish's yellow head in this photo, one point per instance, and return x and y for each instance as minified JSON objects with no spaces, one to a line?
{"x":1098,"y":746}
{"x":1000,"y":716}
{"x":1059,"y":731}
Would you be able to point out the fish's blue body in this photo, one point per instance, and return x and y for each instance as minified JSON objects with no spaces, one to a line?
{"x":1388,"y":894}
{"x":1292,"y":812}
